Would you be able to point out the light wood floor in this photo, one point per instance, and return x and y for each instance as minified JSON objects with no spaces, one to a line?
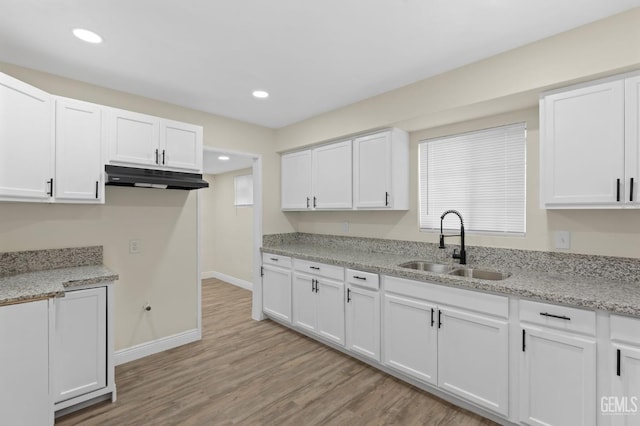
{"x":249,"y":372}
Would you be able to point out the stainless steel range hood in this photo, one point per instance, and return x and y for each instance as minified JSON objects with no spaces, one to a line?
{"x":147,"y":178}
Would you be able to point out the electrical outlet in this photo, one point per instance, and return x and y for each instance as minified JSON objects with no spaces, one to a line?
{"x":345,"y":227}
{"x":134,"y":246}
{"x":562,"y":240}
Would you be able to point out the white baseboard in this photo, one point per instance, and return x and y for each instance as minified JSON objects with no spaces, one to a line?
{"x":247,"y":285}
{"x":149,"y":348}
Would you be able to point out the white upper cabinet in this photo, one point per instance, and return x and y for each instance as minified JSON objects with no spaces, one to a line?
{"x":26,"y":142}
{"x":79,"y":135}
{"x":181,"y":145}
{"x":296,"y":180}
{"x":381,"y":171}
{"x":331,"y":172}
{"x":589,"y":145}
{"x":144,"y":140}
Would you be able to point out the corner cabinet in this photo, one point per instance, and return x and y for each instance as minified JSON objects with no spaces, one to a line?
{"x":26,"y":142}
{"x":79,"y":142}
{"x":144,"y":140}
{"x":24,"y":364}
{"x":370,"y":172}
{"x":381,"y":171}
{"x":589,"y":148}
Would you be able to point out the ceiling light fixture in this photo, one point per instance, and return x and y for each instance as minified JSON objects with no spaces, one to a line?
{"x":86,"y":35}
{"x":223,"y":158}
{"x":260,"y":94}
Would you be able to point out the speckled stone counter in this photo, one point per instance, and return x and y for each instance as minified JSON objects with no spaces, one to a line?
{"x":616,"y":289}
{"x":34,"y":278}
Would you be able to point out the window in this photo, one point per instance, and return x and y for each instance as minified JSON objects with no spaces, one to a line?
{"x":481,"y":174}
{"x":244,"y":190}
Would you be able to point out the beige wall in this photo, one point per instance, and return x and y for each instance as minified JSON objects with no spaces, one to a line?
{"x":164,"y":221}
{"x":227,"y":230}
{"x":499,"y":90}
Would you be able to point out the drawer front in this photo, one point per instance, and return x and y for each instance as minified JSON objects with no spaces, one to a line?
{"x":363,"y":279}
{"x":558,"y":317}
{"x":276,"y":259}
{"x":321,"y":269}
{"x":625,"y":329}
{"x":440,"y":294}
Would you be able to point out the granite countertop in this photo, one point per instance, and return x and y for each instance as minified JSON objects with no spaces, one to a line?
{"x":39,"y":285}
{"x":595,"y":293}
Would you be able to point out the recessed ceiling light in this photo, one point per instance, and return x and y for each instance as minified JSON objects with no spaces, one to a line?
{"x":261,"y":94}
{"x":223,"y":158}
{"x":86,"y":35}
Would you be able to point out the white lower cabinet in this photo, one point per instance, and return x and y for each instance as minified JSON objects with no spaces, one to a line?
{"x":276,"y":287}
{"x":623,"y":404}
{"x":363,"y":321}
{"x":557,"y":366}
{"x":80,"y":343}
{"x":24,"y":364}
{"x":473,"y":359}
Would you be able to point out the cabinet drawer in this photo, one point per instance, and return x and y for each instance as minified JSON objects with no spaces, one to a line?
{"x":363,"y":279}
{"x":625,"y":329}
{"x":322,"y":269}
{"x":559,"y":317}
{"x":276,"y":259}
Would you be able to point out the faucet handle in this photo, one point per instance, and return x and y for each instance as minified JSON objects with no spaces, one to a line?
{"x":456,"y":254}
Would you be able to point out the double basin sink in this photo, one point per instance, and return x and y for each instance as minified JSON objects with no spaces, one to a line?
{"x":460,"y":271}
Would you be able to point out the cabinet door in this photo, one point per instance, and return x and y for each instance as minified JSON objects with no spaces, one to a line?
{"x":133,"y":138}
{"x":24,"y":364}
{"x":632,"y":140}
{"x":304,"y":302}
{"x":363,"y":321}
{"x":626,"y":384}
{"x":80,"y":343}
{"x":181,"y":145}
{"x":372,"y":171}
{"x":410,"y":337}
{"x":296,"y":180}
{"x":78,"y":151}
{"x":26,"y":141}
{"x":473,"y":360}
{"x":330,"y":310}
{"x":557,"y":379}
{"x":583,"y":145}
{"x":276,"y":292}
{"x":331,"y":176}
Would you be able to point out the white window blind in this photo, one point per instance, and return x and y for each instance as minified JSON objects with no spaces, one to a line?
{"x":243,"y":190}
{"x":481,"y":174}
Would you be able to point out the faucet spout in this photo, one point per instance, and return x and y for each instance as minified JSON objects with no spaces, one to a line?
{"x":462,"y":255}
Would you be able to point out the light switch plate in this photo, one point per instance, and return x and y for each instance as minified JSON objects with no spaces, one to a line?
{"x":345,"y":227}
{"x":562,"y":240}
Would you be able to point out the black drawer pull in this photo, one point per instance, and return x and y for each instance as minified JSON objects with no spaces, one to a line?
{"x":562,"y":317}
{"x":314,"y":267}
{"x":360,"y":278}
{"x":275,"y":259}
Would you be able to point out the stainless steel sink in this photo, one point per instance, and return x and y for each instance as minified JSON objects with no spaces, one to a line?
{"x":423,"y":265}
{"x":482,"y":274}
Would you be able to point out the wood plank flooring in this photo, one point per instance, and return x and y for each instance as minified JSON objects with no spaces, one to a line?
{"x":260,"y":373}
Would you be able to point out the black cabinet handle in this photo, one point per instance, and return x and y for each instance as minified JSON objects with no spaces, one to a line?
{"x":618,"y":189}
{"x":163,"y":156}
{"x":432,"y":321}
{"x":439,"y":318}
{"x":275,"y":259}
{"x":618,"y":363}
{"x":314,"y":202}
{"x":631,"y":189}
{"x":314,"y":267}
{"x":317,"y":286}
{"x":50,"y":192}
{"x":360,"y":278}
{"x":157,"y":157}
{"x":262,"y":271}
{"x":96,"y":190}
{"x":348,"y":295}
{"x":562,"y":317}
{"x":313,"y":285}
{"x":523,"y":345}
{"x":307,"y":202}
{"x":386,"y":198}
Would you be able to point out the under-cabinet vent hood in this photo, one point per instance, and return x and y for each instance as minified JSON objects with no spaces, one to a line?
{"x":147,"y":178}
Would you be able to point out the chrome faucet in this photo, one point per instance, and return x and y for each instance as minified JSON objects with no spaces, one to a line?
{"x":462,"y":255}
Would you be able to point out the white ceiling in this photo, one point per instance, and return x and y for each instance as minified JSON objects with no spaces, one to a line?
{"x":214,"y":166}
{"x":312,"y":56}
